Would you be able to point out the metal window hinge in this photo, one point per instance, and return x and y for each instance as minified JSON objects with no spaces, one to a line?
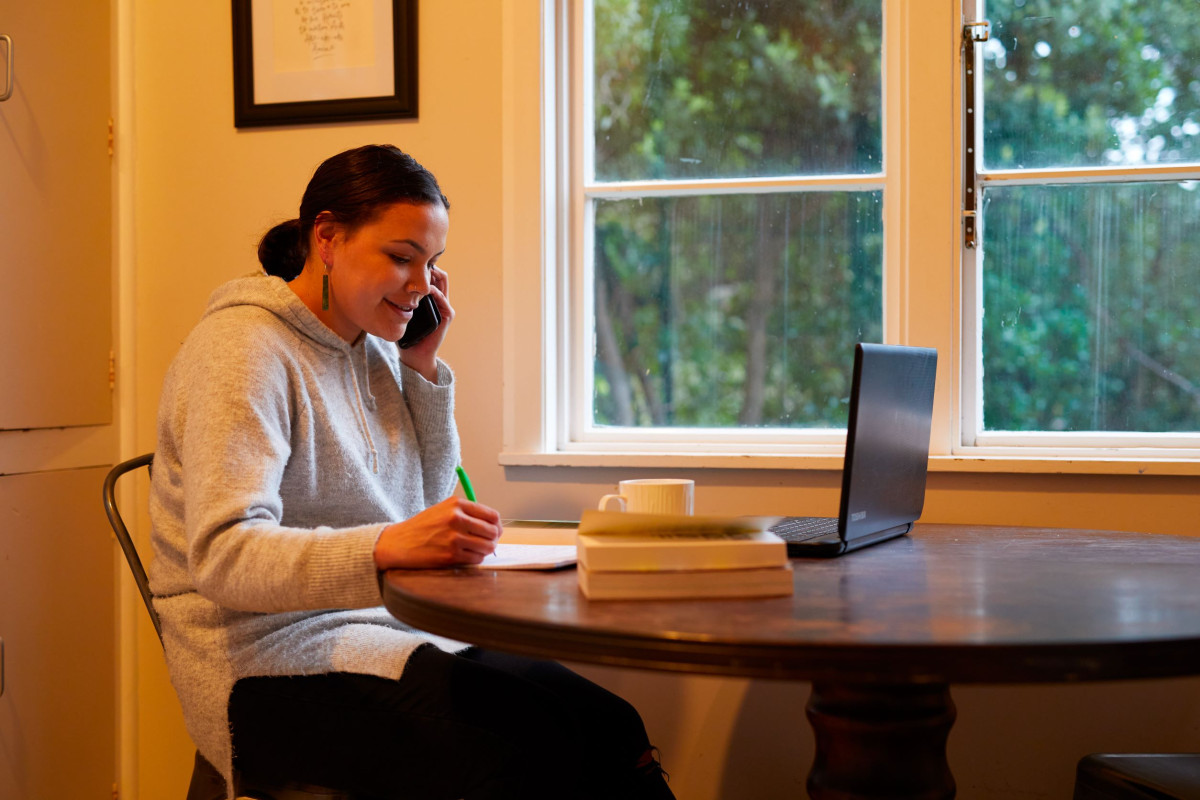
{"x":111,"y":139}
{"x":112,"y":370}
{"x":973,"y":33}
{"x":977,"y":31}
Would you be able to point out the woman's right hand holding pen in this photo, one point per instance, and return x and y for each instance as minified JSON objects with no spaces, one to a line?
{"x":453,"y":532}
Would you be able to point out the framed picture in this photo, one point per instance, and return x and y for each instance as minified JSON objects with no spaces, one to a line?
{"x":299,"y":62}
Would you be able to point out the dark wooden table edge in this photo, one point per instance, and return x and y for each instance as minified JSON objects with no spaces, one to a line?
{"x":1052,"y":662}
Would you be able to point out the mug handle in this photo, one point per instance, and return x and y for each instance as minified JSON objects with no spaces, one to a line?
{"x":604,"y":501}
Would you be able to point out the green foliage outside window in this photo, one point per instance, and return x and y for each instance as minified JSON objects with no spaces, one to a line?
{"x":734,"y":309}
{"x":1090,"y":292}
{"x":740,"y":309}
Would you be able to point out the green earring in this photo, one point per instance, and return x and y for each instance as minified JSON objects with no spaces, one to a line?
{"x":325,"y":289}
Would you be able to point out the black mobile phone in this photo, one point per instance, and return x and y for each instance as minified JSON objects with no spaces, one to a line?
{"x":425,"y":320}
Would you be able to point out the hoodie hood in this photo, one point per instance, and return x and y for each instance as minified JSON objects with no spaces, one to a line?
{"x":272,"y":294}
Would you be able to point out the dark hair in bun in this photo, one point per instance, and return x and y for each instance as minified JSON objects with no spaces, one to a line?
{"x":354,"y":187}
{"x":282,"y":252}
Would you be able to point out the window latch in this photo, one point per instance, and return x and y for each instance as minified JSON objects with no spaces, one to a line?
{"x":976,"y":32}
{"x":973,"y":33}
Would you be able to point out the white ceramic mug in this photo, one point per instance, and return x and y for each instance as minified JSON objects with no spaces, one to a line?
{"x":653,"y":496}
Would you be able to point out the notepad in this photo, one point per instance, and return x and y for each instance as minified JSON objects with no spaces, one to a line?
{"x":529,"y":556}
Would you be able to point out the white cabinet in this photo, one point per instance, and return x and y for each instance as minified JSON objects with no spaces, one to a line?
{"x":56,"y":261}
{"x":57,"y":618}
{"x":58,"y":728}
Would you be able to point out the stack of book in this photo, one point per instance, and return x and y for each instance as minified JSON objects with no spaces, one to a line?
{"x":625,"y":556}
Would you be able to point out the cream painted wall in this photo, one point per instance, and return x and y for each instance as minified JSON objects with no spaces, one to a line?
{"x":202,"y":194}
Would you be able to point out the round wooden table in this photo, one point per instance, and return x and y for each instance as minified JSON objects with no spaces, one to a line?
{"x":881,"y":633}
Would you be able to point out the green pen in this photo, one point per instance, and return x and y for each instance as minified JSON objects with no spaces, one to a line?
{"x":468,"y":490}
{"x":465,"y":482}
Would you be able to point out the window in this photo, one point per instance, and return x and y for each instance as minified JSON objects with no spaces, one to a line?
{"x":730,"y":195}
{"x":1089,"y":312}
{"x":734,"y":192}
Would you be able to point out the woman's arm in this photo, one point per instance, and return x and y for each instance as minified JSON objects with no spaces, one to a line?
{"x":455,"y":531}
{"x":422,"y":357}
{"x":428,"y":386}
{"x":431,"y":407}
{"x":227,"y":427}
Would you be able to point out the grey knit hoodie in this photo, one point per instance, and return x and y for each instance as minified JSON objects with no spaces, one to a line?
{"x":282,"y":453}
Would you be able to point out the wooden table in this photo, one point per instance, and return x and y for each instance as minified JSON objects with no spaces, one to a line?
{"x":881,"y":633}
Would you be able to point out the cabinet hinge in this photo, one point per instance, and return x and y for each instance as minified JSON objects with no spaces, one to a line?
{"x":112,"y":370}
{"x":116,"y":793}
{"x":111,"y":139}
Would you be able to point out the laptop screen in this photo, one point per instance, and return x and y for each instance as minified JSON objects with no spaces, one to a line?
{"x":887,"y":438}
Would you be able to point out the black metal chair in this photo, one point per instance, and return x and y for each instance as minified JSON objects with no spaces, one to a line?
{"x":206,"y":783}
{"x":1140,"y":776}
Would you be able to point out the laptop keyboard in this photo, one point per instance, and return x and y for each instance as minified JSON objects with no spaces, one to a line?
{"x":799,"y":529}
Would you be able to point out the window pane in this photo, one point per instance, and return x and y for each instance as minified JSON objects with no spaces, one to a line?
{"x":734,"y":310}
{"x":722,"y":89}
{"x":1088,"y":83}
{"x":1092,"y":305}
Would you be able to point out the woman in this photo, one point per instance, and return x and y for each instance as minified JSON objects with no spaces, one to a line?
{"x":300,"y":453}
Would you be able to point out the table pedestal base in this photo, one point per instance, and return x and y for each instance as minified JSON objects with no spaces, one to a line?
{"x":881,"y":741}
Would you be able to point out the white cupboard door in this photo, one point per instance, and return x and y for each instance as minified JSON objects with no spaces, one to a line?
{"x":56,"y":226}
{"x":57,"y":617}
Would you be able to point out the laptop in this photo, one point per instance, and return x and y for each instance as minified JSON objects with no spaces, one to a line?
{"x":887,"y":455}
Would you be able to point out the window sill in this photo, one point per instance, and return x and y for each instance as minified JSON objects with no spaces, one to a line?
{"x":1021,"y":464}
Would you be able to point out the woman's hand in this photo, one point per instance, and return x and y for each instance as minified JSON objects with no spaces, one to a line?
{"x":422,"y":356}
{"x":453,"y":532}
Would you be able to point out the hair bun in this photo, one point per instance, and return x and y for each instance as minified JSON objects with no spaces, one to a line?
{"x":282,"y":251}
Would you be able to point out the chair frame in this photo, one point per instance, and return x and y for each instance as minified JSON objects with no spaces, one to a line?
{"x":1138,"y":776}
{"x":122,"y":532}
{"x":206,"y":782}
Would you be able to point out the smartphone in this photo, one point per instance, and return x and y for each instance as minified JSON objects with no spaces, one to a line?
{"x":425,"y":320}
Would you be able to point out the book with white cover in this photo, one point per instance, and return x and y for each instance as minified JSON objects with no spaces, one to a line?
{"x":681,"y":551}
{"x":685,"y":584}
{"x":622,"y":523}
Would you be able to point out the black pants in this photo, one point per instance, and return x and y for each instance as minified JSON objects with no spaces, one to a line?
{"x":478,"y":725}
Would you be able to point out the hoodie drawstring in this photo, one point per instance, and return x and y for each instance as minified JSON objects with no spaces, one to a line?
{"x":367,"y":380}
{"x":362,"y":413}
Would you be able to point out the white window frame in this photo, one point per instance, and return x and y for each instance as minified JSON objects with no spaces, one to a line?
{"x":926,"y":271}
{"x":973,"y":438}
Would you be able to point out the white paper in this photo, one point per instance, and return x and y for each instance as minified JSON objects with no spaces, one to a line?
{"x":306,"y":50}
{"x":323,"y":34}
{"x":529,"y":556}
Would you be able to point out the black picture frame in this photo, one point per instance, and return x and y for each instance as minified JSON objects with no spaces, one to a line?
{"x":247,"y":113}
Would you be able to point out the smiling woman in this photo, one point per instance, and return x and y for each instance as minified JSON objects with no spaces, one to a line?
{"x":301,"y":452}
{"x":363,"y":252}
{"x":378,"y":273}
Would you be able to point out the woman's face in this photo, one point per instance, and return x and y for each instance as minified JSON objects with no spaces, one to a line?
{"x":379,"y":272}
